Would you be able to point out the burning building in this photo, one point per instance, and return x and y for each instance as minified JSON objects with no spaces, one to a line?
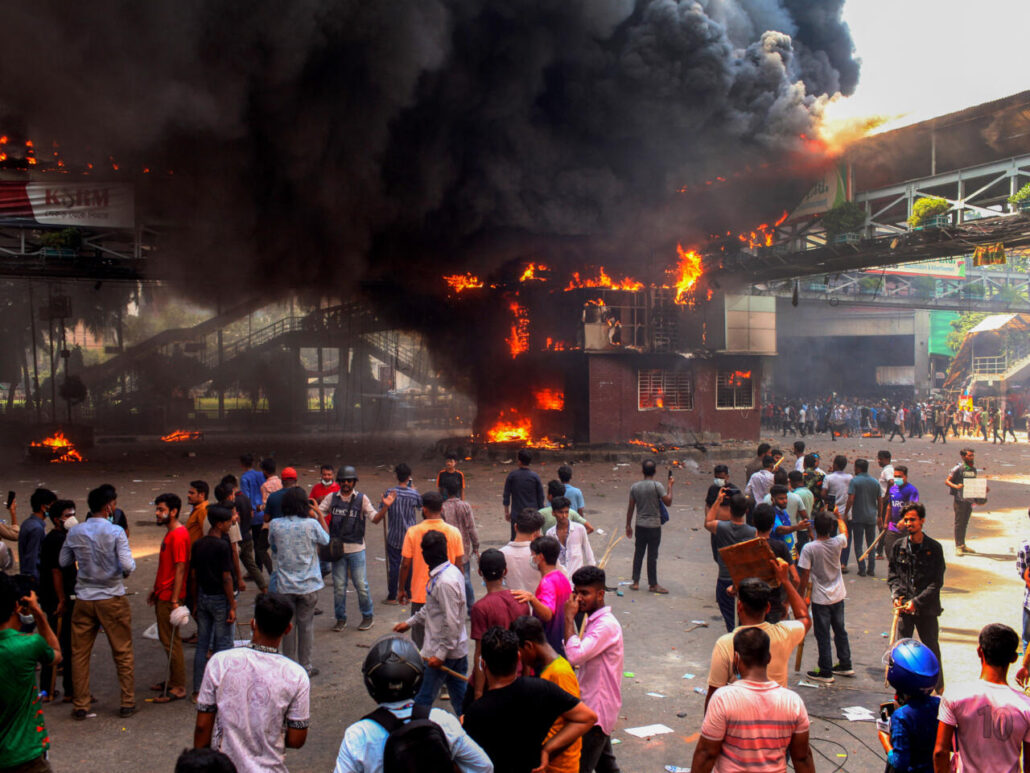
{"x":598,"y":357}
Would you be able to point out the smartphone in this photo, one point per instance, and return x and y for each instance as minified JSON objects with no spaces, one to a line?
{"x":670,"y":473}
{"x":10,"y":499}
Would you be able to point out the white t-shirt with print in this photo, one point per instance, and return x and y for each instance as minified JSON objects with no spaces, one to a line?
{"x":255,"y":695}
{"x":991,"y":721}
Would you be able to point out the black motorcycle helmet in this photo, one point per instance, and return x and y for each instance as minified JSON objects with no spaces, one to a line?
{"x":393,"y":670}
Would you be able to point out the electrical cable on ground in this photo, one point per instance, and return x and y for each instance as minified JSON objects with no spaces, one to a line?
{"x":840,"y":724}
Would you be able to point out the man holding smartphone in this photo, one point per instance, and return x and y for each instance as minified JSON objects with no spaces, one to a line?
{"x":23,"y":736}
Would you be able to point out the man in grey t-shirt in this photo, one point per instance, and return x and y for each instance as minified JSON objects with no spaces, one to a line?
{"x":728,"y":533}
{"x":644,"y":496}
{"x":861,"y":512}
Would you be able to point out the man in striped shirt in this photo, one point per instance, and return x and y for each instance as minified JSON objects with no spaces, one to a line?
{"x":402,"y":502}
{"x":752,"y":722}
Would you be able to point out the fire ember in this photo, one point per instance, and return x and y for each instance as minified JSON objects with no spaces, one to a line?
{"x":181,"y":436}
{"x":550,"y":400}
{"x":58,"y":447}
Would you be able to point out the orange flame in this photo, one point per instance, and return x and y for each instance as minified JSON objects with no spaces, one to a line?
{"x":460,"y":282}
{"x":688,"y":271}
{"x":738,"y":377}
{"x":182,"y":435}
{"x":511,"y":429}
{"x":530,"y":273}
{"x":61,"y":448}
{"x":553,"y":345}
{"x":549,"y":399}
{"x":518,"y":337}
{"x":603,"y":280}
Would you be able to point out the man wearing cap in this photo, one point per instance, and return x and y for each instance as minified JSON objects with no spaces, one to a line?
{"x":346,"y":512}
{"x":274,"y":501}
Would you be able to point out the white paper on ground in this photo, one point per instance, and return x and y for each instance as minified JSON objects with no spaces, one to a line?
{"x":656,"y":695}
{"x":646,"y":731}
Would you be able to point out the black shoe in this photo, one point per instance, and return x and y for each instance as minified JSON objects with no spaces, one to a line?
{"x":313,"y":672}
{"x":318,"y":611}
{"x":127,"y":711}
{"x":819,"y":676}
{"x":844,"y":570}
{"x":870,"y":573}
{"x":79,"y":714}
{"x":861,"y":572}
{"x":843,"y":670}
{"x":366,"y":623}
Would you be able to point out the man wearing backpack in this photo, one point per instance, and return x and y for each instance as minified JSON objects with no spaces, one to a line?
{"x":399,"y":735}
{"x":346,"y":512}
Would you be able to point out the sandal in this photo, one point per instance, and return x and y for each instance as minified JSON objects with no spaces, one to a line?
{"x":169,"y":698}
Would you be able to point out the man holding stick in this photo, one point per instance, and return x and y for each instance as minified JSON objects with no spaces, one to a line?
{"x":915,"y":579}
{"x":445,"y":648}
{"x":752,"y":606}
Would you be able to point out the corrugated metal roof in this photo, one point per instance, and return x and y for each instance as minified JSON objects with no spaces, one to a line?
{"x":993,"y":322}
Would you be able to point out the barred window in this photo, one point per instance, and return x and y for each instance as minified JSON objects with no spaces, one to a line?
{"x":668,"y":389}
{"x":734,"y":389}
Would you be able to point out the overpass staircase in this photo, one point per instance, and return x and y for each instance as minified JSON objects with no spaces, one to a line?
{"x":1004,"y":368}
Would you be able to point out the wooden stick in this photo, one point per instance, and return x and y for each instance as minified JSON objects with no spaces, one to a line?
{"x":452,"y":672}
{"x":872,"y":545}
{"x":608,"y":553}
{"x":801,"y":646}
{"x":53,"y":668}
{"x":890,"y":644}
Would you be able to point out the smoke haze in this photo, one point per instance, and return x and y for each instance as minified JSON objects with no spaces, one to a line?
{"x":318,"y":143}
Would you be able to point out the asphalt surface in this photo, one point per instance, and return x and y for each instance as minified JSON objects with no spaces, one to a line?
{"x":665,"y":653}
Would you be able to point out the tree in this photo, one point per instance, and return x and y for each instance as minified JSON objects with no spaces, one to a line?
{"x":961,"y":326}
{"x":844,"y":218}
{"x":925,"y":208}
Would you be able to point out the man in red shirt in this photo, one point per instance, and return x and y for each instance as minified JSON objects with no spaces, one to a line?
{"x":326,"y":484}
{"x":497,"y":608}
{"x":170,"y":591}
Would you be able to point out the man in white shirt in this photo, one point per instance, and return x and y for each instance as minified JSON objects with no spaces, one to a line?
{"x":254,"y":703}
{"x":760,"y":483}
{"x":835,"y":490}
{"x":987,"y":723}
{"x":821,"y":560}
{"x":752,"y":606}
{"x":886,"y":479}
{"x":522,"y":572}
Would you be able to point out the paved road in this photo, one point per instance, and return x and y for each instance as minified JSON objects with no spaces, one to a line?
{"x":659,"y":651}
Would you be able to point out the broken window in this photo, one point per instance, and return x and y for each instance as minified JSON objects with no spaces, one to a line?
{"x":669,"y":389}
{"x":734,"y":389}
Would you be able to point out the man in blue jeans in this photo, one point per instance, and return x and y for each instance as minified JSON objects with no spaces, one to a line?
{"x":347,"y":511}
{"x":214,"y":600}
{"x":820,"y":559}
{"x":443,"y":615}
{"x":400,"y":507}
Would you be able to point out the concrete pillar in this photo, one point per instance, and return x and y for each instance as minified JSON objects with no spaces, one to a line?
{"x":921,"y":351}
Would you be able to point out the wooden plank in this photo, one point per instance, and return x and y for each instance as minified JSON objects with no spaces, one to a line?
{"x":750,"y":559}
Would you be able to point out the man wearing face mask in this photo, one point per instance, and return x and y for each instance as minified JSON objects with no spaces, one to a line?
{"x":326,"y":485}
{"x":57,"y":594}
{"x":901,"y":494}
{"x":170,"y":592}
{"x":721,"y":481}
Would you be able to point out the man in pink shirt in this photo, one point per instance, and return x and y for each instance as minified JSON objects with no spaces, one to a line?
{"x":552,"y":592}
{"x":598,"y":655}
{"x":986,"y":723}
{"x":751,"y":723}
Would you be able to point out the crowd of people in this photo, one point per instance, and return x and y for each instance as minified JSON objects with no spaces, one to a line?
{"x":854,"y":417}
{"x":540,"y":650}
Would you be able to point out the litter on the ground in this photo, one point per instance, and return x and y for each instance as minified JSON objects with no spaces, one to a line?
{"x":803,"y":683}
{"x":656,"y":695}
{"x":676,"y":769}
{"x":646,"y":731}
{"x":700,"y":690}
{"x":858,"y":714}
{"x":699,"y":622}
{"x":628,"y":674}
{"x":688,"y":676}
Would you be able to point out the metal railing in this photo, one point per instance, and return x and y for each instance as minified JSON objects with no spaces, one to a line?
{"x":990,"y":366}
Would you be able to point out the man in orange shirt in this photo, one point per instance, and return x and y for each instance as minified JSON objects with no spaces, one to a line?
{"x":170,"y":591}
{"x":197,"y":497}
{"x":413,"y":565}
{"x":537,"y":654}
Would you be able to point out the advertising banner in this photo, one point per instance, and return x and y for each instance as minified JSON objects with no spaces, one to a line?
{"x":826,"y":194}
{"x":85,"y":204}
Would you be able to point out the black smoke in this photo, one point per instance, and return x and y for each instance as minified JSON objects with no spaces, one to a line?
{"x":315,"y":144}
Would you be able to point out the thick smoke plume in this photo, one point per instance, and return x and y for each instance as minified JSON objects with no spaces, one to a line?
{"x":315,"y":143}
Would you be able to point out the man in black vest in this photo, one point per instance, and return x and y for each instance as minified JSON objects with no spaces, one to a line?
{"x":347,"y":511}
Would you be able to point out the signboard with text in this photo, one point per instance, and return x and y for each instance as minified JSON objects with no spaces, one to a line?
{"x":90,"y":205}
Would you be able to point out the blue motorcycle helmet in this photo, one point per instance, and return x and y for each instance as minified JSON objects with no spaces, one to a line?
{"x":912,"y":669}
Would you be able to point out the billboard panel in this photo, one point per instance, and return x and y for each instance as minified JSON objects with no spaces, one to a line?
{"x":92,"y":204}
